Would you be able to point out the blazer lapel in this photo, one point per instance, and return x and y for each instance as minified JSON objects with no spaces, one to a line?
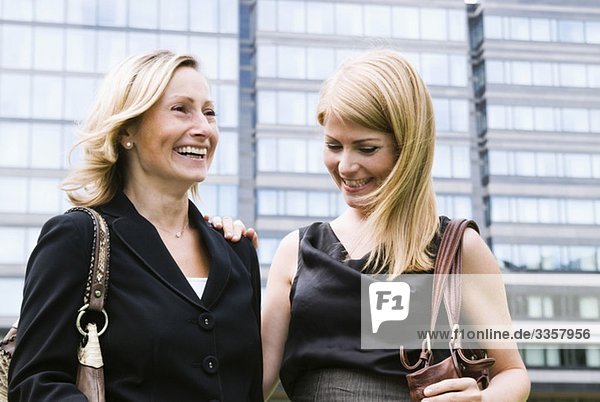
{"x":219,"y":251}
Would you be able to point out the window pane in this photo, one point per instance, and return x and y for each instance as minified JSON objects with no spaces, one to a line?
{"x":578,"y":165}
{"x":546,"y":164}
{"x":142,"y":42}
{"x":319,"y":204}
{"x":50,"y":10}
{"x":527,"y":210}
{"x":549,"y":211}
{"x":227,"y":105}
{"x":44,"y":196}
{"x":295,"y":155}
{"x":570,"y":31}
{"x":207,"y":52}
{"x":441,"y":108}
{"x":523,"y":118}
{"x":205,"y":16}
{"x":498,"y":161}
{"x":575,"y":120}
{"x":500,"y":209}
{"x":542,"y":74}
{"x":459,"y":115}
{"x":173,"y":15}
{"x":81,"y":50}
{"x":442,"y":161}
{"x":492,"y":27}
{"x":295,"y":203}
{"x":228,"y":16}
{"x":582,"y":258}
{"x":228,"y":59}
{"x":226,"y":157}
{"x":524,"y":163}
{"x":14,"y":136}
{"x":320,"y":63}
{"x":457,"y":25}
{"x":435,"y":69}
{"x":228,"y":201}
{"x":265,"y":15}
{"x":496,"y":117}
{"x":14,"y":190}
{"x":14,"y":94}
{"x":266,"y":105}
{"x":46,"y":87}
{"x":48,"y":49}
{"x":348,"y":19}
{"x":521,"y":73}
{"x":588,"y":308}
{"x":461,"y":164}
{"x":266,"y":56}
{"x":46,"y":146}
{"x":18,"y":10}
{"x":519,"y":28}
{"x":580,"y":211}
{"x":174,"y":43}
{"x":291,"y":108}
{"x":494,"y":71}
{"x":540,"y":29}
{"x":315,"y":157}
{"x":377,"y":21}
{"x":16,"y":53}
{"x":291,"y":62}
{"x":79,"y":95}
{"x":434,"y":25}
{"x":592,"y":32}
{"x":13,"y":245}
{"x":267,"y":202}
{"x":81,"y":12}
{"x":321,"y":19}
{"x":572,"y":75}
{"x":406,"y":22}
{"x":112,"y":12}
{"x":112,"y":48}
{"x":267,"y":160}
{"x":458,"y":71}
{"x":544,"y":119}
{"x":290,"y":16}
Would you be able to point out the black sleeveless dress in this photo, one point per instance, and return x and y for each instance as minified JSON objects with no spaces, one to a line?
{"x":323,"y":359}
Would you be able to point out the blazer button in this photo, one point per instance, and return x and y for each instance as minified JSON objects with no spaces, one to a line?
{"x":210,"y":364}
{"x":206,"y":321}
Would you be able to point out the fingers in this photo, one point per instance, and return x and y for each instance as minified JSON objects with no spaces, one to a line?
{"x":253,"y":236}
{"x":456,"y":389}
{"x":233,"y":230}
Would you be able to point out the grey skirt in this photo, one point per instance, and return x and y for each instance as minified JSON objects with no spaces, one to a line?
{"x":348,"y":385}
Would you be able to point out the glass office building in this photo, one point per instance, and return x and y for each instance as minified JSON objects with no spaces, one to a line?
{"x":515,"y":86}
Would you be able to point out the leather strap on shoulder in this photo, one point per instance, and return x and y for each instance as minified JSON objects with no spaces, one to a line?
{"x":97,"y":284}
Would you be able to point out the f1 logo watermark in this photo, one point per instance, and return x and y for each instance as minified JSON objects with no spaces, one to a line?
{"x":389,"y":301}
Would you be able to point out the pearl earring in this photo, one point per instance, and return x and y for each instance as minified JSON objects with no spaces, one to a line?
{"x":128,"y":145}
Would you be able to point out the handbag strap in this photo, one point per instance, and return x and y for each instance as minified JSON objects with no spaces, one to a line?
{"x":448,"y":267}
{"x":97,"y":282}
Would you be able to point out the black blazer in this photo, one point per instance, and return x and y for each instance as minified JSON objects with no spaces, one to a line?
{"x":163,"y":343}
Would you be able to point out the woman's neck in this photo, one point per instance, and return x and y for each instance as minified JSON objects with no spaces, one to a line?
{"x":167,"y":210}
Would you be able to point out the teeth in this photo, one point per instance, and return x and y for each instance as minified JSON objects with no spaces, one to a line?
{"x":356,"y":183}
{"x":189,"y":150}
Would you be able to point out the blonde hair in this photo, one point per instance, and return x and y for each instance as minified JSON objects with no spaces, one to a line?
{"x":380,"y":90}
{"x":128,"y":90}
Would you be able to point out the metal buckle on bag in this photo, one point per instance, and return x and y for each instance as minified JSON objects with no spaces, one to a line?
{"x":82,"y":312}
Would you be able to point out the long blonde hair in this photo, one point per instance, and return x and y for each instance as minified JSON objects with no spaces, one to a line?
{"x":380,"y":90}
{"x":128,"y":90}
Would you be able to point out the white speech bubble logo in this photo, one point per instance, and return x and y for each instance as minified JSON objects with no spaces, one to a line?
{"x":389,"y":301}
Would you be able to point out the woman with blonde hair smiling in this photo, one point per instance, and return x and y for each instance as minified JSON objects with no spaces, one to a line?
{"x":184,"y":304}
{"x":379,"y":141}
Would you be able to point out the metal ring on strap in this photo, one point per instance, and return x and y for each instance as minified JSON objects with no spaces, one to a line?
{"x":82,"y":311}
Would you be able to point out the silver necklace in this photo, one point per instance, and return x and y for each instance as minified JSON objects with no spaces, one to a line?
{"x":178,"y":234}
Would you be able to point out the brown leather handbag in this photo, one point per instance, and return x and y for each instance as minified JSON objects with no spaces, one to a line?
{"x":462,"y":362}
{"x":90,"y":370}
